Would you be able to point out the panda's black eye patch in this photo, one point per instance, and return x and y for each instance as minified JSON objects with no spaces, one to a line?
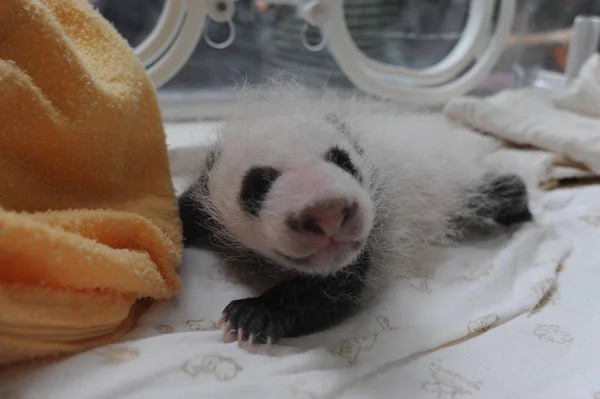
{"x":341,"y":159}
{"x":255,"y":185}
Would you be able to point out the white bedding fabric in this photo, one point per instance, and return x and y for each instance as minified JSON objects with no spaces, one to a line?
{"x":534,"y":295}
{"x":582,"y":96}
{"x":529,"y":117}
{"x":562,"y":124}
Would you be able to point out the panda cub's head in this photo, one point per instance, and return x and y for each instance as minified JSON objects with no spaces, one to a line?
{"x":292,"y":187}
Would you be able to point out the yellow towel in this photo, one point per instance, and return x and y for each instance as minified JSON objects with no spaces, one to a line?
{"x":88,"y":215}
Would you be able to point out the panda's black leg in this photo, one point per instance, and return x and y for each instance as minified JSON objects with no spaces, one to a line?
{"x":512,"y":202}
{"x":192,"y":218}
{"x":196,"y":220}
{"x":297,"y":307}
{"x":505,"y":200}
{"x":501,"y":199}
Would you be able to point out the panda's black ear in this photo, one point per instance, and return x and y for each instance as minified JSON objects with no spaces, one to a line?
{"x":194,"y":217}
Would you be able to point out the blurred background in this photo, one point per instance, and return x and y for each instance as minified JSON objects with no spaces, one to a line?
{"x":411,"y":33}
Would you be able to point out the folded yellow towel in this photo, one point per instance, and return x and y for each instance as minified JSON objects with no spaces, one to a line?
{"x":88,"y":215}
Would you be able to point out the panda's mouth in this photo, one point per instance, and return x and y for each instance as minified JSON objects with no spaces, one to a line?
{"x":329,"y":248}
{"x":298,"y":261}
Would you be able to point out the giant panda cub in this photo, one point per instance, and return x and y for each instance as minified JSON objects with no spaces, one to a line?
{"x":329,"y":190}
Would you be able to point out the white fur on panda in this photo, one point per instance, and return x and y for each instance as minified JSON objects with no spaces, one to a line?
{"x":421,"y":175}
{"x":413,"y":182}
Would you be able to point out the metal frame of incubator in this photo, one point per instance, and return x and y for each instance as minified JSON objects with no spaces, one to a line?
{"x":183,"y":23}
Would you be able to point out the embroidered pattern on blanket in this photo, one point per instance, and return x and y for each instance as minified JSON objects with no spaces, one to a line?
{"x":446,"y":383}
{"x":552,"y":334}
{"x":223,"y":368}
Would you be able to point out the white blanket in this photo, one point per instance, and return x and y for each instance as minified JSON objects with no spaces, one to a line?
{"x":565,"y":125}
{"x":583,"y":95}
{"x":490,"y":286}
{"x":551,"y":352}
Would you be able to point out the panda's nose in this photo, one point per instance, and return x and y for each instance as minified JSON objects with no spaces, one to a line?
{"x":326,"y":218}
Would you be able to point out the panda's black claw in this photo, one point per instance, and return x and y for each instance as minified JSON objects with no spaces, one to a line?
{"x":255,"y":321}
{"x":300,"y":306}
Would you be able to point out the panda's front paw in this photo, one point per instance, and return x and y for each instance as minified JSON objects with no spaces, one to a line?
{"x":255,"y":320}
